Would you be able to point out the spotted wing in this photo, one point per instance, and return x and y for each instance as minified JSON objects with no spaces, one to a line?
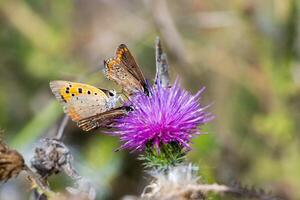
{"x":117,"y":72}
{"x":104,"y":119}
{"x":79,"y":100}
{"x":123,"y":54}
{"x":124,"y":70}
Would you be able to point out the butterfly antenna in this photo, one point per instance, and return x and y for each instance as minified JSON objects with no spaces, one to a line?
{"x":147,"y":87}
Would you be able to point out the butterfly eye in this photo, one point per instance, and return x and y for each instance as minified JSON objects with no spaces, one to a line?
{"x":129,"y":108}
{"x":111,"y":94}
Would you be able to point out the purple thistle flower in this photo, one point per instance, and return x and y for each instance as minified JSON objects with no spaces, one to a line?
{"x":167,"y":115}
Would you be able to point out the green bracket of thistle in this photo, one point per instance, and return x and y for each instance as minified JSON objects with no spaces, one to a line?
{"x":168,"y":155}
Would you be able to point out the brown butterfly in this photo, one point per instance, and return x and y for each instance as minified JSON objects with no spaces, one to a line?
{"x":124,"y":70}
{"x":87,"y":105}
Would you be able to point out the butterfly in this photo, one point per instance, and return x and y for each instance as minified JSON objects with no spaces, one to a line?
{"x":87,"y":105}
{"x":124,"y":70}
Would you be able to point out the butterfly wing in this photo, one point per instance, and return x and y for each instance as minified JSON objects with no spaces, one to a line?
{"x":117,"y":72}
{"x":104,"y":119}
{"x":79,"y":100}
{"x":123,"y":54}
{"x":124,"y":70}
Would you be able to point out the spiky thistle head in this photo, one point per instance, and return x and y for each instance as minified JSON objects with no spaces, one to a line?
{"x":167,"y":115}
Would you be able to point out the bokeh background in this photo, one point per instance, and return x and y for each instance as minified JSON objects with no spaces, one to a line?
{"x":245,"y":52}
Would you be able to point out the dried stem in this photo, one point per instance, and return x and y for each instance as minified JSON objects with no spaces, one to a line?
{"x":223,"y":189}
{"x":200,"y":191}
{"x":162,"y":67}
{"x":166,"y":26}
{"x":62,"y":127}
{"x":37,"y":179}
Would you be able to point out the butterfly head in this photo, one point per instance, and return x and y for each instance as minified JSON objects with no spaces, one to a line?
{"x":109,"y":63}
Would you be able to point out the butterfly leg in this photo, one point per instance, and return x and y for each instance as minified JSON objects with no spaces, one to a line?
{"x":121,"y":99}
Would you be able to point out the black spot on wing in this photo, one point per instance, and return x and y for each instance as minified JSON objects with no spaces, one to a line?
{"x":62,"y":97}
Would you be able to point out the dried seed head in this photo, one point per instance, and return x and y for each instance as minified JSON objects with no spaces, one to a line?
{"x":171,"y":184}
{"x":11,"y":162}
{"x":52,"y":157}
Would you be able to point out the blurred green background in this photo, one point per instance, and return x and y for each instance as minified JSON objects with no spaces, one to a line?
{"x":246,"y":52}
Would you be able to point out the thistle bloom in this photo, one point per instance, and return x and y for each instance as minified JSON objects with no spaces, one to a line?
{"x":167,"y":115}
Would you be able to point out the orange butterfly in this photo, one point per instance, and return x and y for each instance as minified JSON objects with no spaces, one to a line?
{"x":124,"y":70}
{"x":87,"y":105}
